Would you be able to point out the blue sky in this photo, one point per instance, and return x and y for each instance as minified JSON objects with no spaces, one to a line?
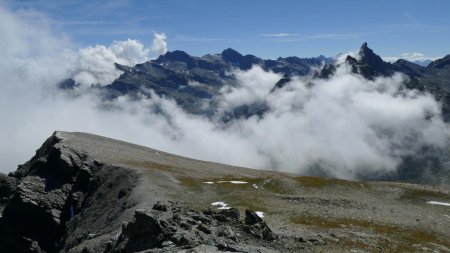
{"x":265,"y":28}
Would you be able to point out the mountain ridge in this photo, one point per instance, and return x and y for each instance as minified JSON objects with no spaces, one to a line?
{"x":86,"y":193}
{"x":212,"y":70}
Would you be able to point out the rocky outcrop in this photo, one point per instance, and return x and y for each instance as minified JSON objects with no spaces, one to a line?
{"x":44,"y":195}
{"x":35,"y":210}
{"x":173,"y":227}
{"x":7,"y":186}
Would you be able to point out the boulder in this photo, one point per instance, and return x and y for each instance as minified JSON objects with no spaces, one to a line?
{"x":142,"y":233}
{"x":251,"y":217}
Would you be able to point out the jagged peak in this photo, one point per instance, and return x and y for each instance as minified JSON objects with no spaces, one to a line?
{"x":364,"y":46}
{"x":368,"y":56}
{"x":365,"y":51}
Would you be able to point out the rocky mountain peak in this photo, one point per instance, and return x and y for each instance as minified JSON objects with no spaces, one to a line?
{"x":371,"y":64}
{"x":364,"y":47}
{"x":231,"y":55}
{"x":176,"y":55}
{"x":368,"y":56}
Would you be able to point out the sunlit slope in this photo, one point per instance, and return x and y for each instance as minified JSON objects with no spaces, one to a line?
{"x":375,"y":216}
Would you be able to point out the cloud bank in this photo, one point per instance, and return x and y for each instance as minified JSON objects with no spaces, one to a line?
{"x":341,"y":126}
{"x":344,"y":124}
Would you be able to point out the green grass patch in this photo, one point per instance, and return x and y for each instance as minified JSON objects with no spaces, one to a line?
{"x":391,"y":238}
{"x":242,"y":196}
{"x":320,"y":182}
{"x":423,"y":195}
{"x":222,"y":184}
{"x":148,"y":165}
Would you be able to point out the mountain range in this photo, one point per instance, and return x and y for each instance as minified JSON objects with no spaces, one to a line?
{"x":193,"y":81}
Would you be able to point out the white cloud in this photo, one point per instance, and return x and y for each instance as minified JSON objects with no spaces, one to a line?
{"x":130,"y":52}
{"x":411,"y":57}
{"x":280,"y":35}
{"x":95,"y":65}
{"x":345,"y":124}
{"x":254,"y":85}
{"x":159,"y":45}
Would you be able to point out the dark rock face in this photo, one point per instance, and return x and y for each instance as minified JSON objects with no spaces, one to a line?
{"x":368,"y":64}
{"x":141,"y":234}
{"x":35,"y":209}
{"x":374,"y":62}
{"x":7,"y":186}
{"x":46,"y":198}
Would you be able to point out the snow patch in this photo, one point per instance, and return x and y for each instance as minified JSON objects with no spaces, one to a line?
{"x":220,"y":205}
{"x":255,"y":186}
{"x":438,"y":203}
{"x":232,"y":182}
{"x":260,"y":214}
{"x":208,"y":182}
{"x":238,"y":182}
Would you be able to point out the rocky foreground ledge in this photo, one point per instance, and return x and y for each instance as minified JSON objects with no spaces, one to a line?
{"x":86,"y":193}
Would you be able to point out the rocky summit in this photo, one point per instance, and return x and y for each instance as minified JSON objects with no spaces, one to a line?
{"x":86,"y":193}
